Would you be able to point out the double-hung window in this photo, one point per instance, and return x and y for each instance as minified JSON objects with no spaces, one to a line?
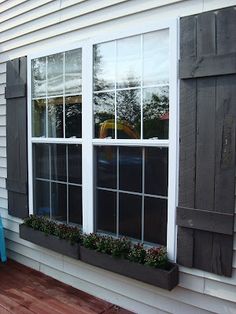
{"x":102,"y":135}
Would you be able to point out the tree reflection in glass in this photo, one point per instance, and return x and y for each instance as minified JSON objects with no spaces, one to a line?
{"x":73,"y":116}
{"x":39,"y":77}
{"x":156,"y":112}
{"x":55,"y":74}
{"x":129,"y":62}
{"x":39,"y":117}
{"x":73,"y":71}
{"x":128,"y":114}
{"x":55,"y":117}
{"x":104,"y":66}
{"x":104,"y":115}
{"x":155,"y":58}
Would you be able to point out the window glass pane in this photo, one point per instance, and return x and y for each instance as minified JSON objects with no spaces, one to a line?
{"x":156,"y":171}
{"x":41,"y":161}
{"x":130,"y":210}
{"x":128,"y":114}
{"x":155,"y":220}
{"x":73,"y":71}
{"x":59,"y":201}
{"x":75,"y":204}
{"x":75,"y":164}
{"x":39,"y":77}
{"x":41,"y":198}
{"x":130,"y":169}
{"x":106,"y":211}
{"x":156,"y":58}
{"x":55,"y":117}
{"x":129,"y":62}
{"x":107,"y":166}
{"x":73,"y":116}
{"x":39,"y":117}
{"x":104,"y":66}
{"x":55,"y":74}
{"x":104,"y":115}
{"x":58,"y":162}
{"x":156,"y":112}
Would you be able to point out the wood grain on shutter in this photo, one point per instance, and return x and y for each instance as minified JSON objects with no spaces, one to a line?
{"x":205,"y":213}
{"x":17,"y":137}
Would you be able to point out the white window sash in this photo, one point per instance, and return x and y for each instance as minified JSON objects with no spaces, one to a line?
{"x":87,"y":140}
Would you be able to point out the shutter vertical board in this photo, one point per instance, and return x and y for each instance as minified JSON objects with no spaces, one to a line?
{"x":226,"y":35}
{"x":188,"y":98}
{"x":188,"y":35}
{"x":225,"y":154}
{"x":206,"y":39}
{"x":16,"y":112}
{"x":207,"y":141}
{"x":205,"y":144}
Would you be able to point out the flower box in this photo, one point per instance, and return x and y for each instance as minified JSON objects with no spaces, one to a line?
{"x":166,"y":279}
{"x":50,"y":242}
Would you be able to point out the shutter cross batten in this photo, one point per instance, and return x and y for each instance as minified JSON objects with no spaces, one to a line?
{"x":205,"y":213}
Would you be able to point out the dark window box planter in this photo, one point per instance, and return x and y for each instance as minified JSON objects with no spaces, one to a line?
{"x":50,"y":242}
{"x":166,"y":279}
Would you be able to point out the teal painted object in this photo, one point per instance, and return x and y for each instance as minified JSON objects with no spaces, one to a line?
{"x":2,"y":243}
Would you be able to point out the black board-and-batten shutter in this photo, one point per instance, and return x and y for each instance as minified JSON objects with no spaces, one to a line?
{"x":205,"y":213}
{"x":16,"y":131}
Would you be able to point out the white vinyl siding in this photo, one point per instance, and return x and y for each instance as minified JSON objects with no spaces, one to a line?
{"x":26,"y":26}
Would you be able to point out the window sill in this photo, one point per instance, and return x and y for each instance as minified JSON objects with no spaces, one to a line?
{"x":165,"y":279}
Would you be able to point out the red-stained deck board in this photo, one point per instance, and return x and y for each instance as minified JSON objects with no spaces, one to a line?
{"x":25,"y":291}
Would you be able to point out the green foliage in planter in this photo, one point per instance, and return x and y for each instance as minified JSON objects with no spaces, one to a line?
{"x":49,"y":227}
{"x":157,"y":257}
{"x":137,"y":254}
{"x":107,"y":245}
{"x":123,"y":248}
{"x":90,"y":241}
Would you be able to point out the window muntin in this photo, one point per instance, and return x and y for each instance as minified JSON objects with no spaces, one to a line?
{"x":131,"y":87}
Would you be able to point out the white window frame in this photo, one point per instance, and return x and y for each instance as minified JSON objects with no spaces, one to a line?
{"x":88,"y":142}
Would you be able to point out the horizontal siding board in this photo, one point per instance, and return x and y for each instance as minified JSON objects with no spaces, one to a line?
{"x":3,"y":68}
{"x":51,"y":14}
{"x":221,"y":290}
{"x":3,"y":193}
{"x":216,"y":4}
{"x":3,"y":173}
{"x":28,"y":16}
{"x":2,"y":128}
{"x":23,"y":260}
{"x":3,"y":153}
{"x":2,"y":88}
{"x":22,"y":8}
{"x":105,"y":15}
{"x":2,"y":182}
{"x":2,"y":78}
{"x":2,"y":143}
{"x":2,"y":111}
{"x":10,"y":4}
{"x":3,"y":122}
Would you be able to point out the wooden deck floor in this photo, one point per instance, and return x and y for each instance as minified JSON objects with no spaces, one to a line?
{"x":24,"y":291}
